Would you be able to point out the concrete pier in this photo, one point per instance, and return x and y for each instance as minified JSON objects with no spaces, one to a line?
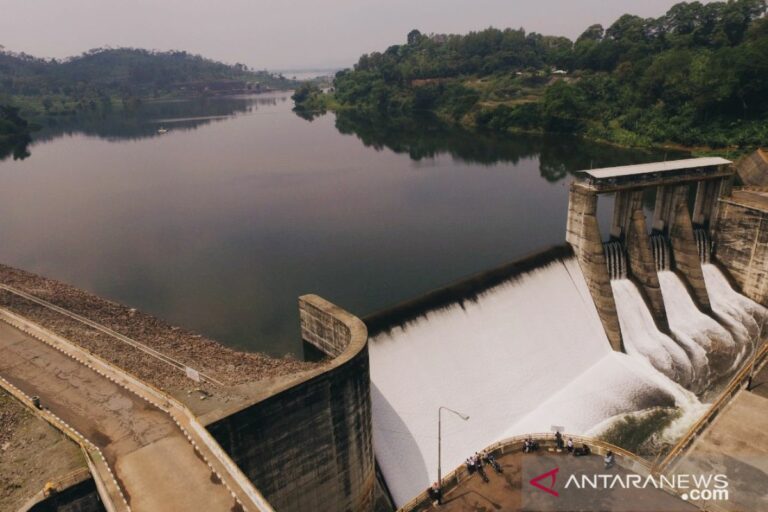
{"x":641,"y":262}
{"x":583,"y":233}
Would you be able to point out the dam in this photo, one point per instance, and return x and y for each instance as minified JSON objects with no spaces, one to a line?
{"x":574,"y":337}
{"x":654,"y":312}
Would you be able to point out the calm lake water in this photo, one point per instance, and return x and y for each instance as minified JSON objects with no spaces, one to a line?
{"x":221,"y":223}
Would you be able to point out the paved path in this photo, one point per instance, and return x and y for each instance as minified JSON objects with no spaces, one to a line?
{"x":156,"y":466}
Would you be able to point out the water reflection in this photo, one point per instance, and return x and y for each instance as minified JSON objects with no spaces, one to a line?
{"x":19,"y":150}
{"x":147,"y":119}
{"x":424,"y":138}
{"x":220,"y":224}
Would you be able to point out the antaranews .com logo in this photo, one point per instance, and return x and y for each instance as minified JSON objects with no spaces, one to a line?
{"x":557,"y":483}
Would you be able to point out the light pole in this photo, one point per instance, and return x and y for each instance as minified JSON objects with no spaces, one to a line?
{"x":439,"y":444}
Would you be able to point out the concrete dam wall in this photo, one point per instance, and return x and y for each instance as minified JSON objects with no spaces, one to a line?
{"x":306,"y":444}
{"x":741,"y":237}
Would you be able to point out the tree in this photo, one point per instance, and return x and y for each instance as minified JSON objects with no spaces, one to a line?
{"x":414,"y":37}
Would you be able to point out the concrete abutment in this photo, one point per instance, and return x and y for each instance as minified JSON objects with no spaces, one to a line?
{"x":307,"y":443}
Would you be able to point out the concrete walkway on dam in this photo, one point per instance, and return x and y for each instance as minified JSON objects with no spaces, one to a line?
{"x":154,"y":463}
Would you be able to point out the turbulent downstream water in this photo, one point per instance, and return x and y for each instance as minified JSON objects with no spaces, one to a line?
{"x":701,"y":351}
{"x":242,"y":206}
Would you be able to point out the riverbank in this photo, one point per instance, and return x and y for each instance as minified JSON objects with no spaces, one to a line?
{"x":320,"y":103}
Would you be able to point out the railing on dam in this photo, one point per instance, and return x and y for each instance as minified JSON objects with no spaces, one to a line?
{"x":717,"y":406}
{"x":624,"y":458}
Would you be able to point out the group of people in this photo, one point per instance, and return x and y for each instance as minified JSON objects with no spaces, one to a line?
{"x":570,"y":447}
{"x":477,"y":462}
{"x":529,"y":445}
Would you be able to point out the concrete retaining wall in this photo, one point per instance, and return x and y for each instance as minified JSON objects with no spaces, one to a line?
{"x":307,"y":443}
{"x":753,"y":169}
{"x":741,"y":245}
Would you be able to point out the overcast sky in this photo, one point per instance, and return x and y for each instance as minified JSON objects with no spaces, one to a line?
{"x":284,"y":34}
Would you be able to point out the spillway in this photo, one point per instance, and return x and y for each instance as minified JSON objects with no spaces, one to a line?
{"x":522,"y":356}
{"x":643,"y":339}
{"x":744,"y":318}
{"x":711,"y":349}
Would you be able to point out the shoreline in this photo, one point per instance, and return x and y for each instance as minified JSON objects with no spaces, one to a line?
{"x":330,"y":105}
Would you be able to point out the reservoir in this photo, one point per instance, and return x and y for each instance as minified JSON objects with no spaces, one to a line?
{"x":239,"y":206}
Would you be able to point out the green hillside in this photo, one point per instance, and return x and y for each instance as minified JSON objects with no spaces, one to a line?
{"x":103,"y":77}
{"x":696,"y":76}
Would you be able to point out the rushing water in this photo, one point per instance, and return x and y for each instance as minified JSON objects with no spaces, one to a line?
{"x":222,"y":222}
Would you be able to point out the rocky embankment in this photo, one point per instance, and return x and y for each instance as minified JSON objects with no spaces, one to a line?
{"x":231,"y":367}
{"x":31,"y":454}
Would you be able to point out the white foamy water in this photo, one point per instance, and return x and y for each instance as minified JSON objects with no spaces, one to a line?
{"x":613,"y":386}
{"x":745,"y":318}
{"x":711,"y":348}
{"x":528,"y":354}
{"x":643,"y":339}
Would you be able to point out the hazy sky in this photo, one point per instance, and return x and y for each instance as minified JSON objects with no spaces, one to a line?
{"x":284,"y":34}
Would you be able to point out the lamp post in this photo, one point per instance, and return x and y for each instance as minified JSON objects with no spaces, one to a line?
{"x":439,"y":445}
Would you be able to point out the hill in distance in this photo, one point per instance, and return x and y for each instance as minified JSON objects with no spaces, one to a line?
{"x":696,"y":77}
{"x":105,"y":76}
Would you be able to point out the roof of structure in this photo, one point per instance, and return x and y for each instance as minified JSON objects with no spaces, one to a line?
{"x":655,"y":167}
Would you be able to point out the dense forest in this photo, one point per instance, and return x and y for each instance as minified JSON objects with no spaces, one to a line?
{"x":101,"y":78}
{"x":696,"y":76}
